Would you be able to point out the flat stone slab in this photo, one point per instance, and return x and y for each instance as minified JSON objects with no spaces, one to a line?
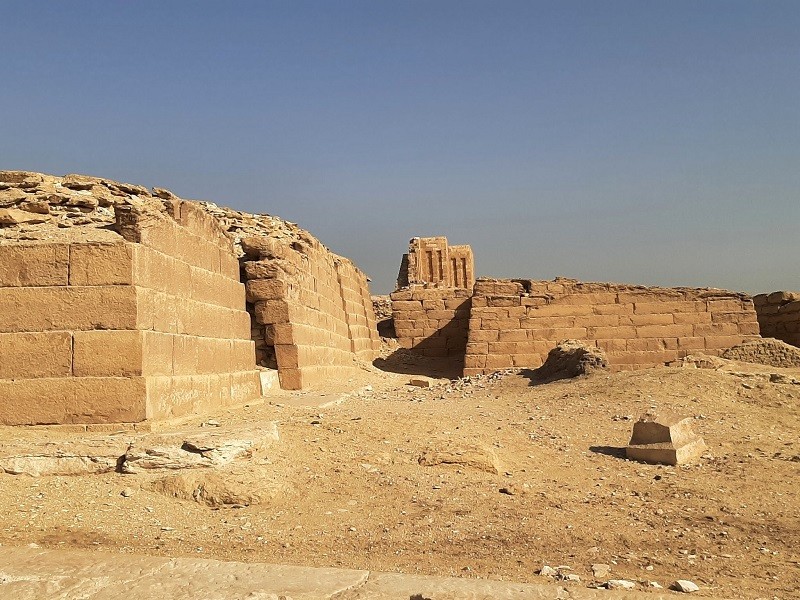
{"x":68,"y":457}
{"x":34,"y":574}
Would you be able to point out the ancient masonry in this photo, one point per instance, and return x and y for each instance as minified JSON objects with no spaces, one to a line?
{"x":122,"y":305}
{"x":431,"y":306}
{"x":515,"y":323}
{"x":779,"y":316}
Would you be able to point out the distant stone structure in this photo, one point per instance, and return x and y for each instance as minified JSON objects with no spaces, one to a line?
{"x":122,"y":305}
{"x":432,"y":302}
{"x":779,"y":316}
{"x":433,"y":263}
{"x":516,"y":323}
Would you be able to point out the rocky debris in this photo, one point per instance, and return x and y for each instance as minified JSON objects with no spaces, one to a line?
{"x":619,"y":584}
{"x":664,"y":438}
{"x":766,"y":351}
{"x":699,"y":361}
{"x":231,"y":488}
{"x":685,"y":586}
{"x":783,"y":379}
{"x":14,"y":216}
{"x":482,"y":458}
{"x":382,"y":306}
{"x":547,"y":571}
{"x":126,"y":492}
{"x":600,"y":570}
{"x":206,"y":450}
{"x":571,"y":358}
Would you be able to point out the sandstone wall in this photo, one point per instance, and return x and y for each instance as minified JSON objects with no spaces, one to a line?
{"x":148,"y":323}
{"x":313,"y":307}
{"x":779,"y":316}
{"x":514,"y":323}
{"x":432,"y":322}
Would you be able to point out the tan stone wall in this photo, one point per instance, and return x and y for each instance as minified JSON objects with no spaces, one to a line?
{"x":149,"y":328}
{"x":515,"y":323}
{"x":313,"y":307}
{"x":432,"y":322}
{"x":779,"y":316}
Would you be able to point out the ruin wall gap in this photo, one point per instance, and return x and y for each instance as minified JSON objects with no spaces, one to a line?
{"x":779,"y":316}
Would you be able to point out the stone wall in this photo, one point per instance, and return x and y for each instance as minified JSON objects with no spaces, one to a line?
{"x":311,"y":310}
{"x":779,"y":316}
{"x":136,"y":320}
{"x":515,"y":323}
{"x":432,"y":322}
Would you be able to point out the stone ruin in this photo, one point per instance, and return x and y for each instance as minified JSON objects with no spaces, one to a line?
{"x":779,"y":316}
{"x":124,"y":305}
{"x":514,"y":323}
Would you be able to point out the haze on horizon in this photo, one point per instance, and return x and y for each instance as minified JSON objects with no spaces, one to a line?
{"x":631,"y":141}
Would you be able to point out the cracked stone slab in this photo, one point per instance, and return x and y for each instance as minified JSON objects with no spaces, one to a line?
{"x":66,"y":457}
{"x":34,"y":574}
{"x":200,"y":450}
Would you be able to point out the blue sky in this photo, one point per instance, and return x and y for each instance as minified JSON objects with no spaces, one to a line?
{"x":640,"y":141}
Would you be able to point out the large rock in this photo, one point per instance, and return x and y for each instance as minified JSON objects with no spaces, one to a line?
{"x":206,"y":450}
{"x":570,"y":358}
{"x":664,"y":438}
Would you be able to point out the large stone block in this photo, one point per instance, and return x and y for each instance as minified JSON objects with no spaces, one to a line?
{"x":664,"y":438}
{"x":33,"y":355}
{"x":67,"y":308}
{"x":34,"y":265}
{"x":101,"y":264}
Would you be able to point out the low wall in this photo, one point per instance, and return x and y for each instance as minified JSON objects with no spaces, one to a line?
{"x":779,"y":316}
{"x":432,"y":322}
{"x":515,"y":323}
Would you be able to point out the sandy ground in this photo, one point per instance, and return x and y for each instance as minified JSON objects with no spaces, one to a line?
{"x":344,"y":486}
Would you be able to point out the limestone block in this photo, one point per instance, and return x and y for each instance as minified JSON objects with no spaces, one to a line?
{"x":32,"y":355}
{"x":67,"y":308}
{"x":34,"y":265}
{"x":101,"y":264}
{"x":664,"y":438}
{"x":107,"y":353}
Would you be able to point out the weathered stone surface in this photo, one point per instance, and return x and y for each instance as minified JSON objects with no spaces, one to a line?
{"x":82,"y":457}
{"x":571,"y":358}
{"x":664,"y":438}
{"x":208,"y":450}
{"x":446,"y":452}
{"x":217,"y":487}
{"x":768,"y":351}
{"x":15,"y":216}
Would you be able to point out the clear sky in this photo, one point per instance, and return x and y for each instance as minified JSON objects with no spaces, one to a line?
{"x":653,"y":142}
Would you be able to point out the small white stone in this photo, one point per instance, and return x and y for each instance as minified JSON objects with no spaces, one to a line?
{"x":620,"y":584}
{"x":685,"y":586}
{"x":548,"y":571}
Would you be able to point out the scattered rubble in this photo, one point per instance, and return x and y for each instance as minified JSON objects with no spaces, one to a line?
{"x":570,"y":358}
